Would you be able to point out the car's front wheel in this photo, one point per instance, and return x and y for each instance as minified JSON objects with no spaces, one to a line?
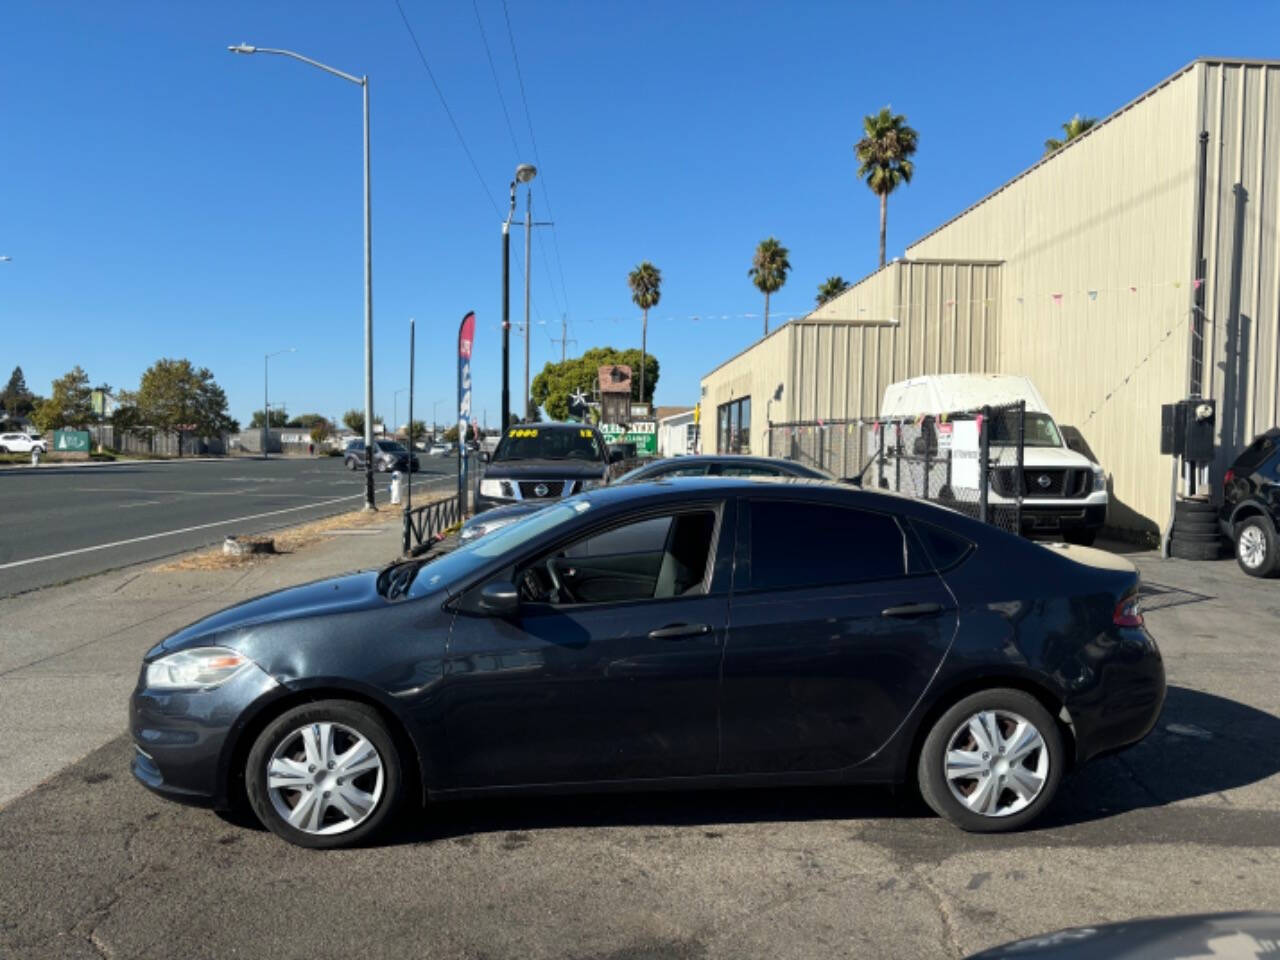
{"x":1257,"y":551}
{"x":325,"y":774}
{"x":992,"y":762}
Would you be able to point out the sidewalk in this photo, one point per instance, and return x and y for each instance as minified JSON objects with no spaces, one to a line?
{"x":69,"y":655}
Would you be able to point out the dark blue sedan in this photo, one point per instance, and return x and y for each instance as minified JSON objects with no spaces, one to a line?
{"x":709,"y":632}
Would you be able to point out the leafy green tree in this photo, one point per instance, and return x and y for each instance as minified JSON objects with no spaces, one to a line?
{"x":451,"y":435}
{"x":552,"y":387}
{"x":278,"y":419}
{"x":884,"y":158}
{"x":1072,"y":129}
{"x":127,"y":418}
{"x":354,"y":420}
{"x":768,"y":271}
{"x":417,"y":431}
{"x":645,"y":282}
{"x":174,"y":395}
{"x":16,"y":399}
{"x":306,"y":421}
{"x":69,"y":404}
{"x":321,"y":430}
{"x":831,"y":288}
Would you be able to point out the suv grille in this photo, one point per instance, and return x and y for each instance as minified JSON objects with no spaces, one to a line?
{"x":551,"y":488}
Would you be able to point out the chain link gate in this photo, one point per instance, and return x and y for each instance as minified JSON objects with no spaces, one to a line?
{"x":919,"y":457}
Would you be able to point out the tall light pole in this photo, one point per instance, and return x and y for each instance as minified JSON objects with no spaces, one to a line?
{"x":434,"y":427}
{"x":525,"y":173}
{"x":363,"y":83}
{"x":266,"y":405}
{"x":528,"y":276}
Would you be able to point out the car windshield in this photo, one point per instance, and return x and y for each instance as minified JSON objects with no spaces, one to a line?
{"x":386,"y":446}
{"x":542,"y":443}
{"x":448,"y":570}
{"x":1039,"y":430}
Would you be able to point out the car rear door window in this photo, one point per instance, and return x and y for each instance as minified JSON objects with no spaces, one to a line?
{"x":796,"y":544}
{"x":945,"y":549}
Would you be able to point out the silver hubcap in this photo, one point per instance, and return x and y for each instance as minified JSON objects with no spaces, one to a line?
{"x":325,"y":778}
{"x":1252,"y":547}
{"x":996,"y":763}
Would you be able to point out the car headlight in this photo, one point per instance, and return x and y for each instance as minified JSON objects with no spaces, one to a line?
{"x":591,"y":484}
{"x":1099,"y":478}
{"x":473,"y":530}
{"x":202,"y":667}
{"x":495,"y":488}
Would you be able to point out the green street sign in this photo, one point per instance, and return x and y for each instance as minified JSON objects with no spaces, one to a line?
{"x":71,"y":441}
{"x":643,"y":434}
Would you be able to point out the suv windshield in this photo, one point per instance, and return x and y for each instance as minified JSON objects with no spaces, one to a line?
{"x":1039,"y":430}
{"x":386,"y":446}
{"x":543,"y":443}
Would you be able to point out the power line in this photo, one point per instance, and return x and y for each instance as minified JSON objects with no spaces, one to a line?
{"x":494,"y":70}
{"x":555,"y":239}
{"x":449,"y":113}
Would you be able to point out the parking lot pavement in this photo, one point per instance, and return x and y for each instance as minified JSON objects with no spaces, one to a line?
{"x":75,"y":521}
{"x":1188,"y":821}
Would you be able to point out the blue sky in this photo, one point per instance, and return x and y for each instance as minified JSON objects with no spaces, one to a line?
{"x":162,"y":197}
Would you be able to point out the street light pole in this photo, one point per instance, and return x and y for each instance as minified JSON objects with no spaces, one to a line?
{"x":528,"y":275}
{"x":363,"y":83}
{"x":266,"y":404}
{"x":435,"y":429}
{"x":525,"y":173}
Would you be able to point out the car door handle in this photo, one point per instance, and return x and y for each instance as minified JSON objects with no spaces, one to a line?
{"x":912,"y":610}
{"x":679,"y":630}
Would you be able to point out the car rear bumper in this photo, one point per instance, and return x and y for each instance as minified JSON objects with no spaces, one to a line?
{"x":1124,"y":701}
{"x":182,"y":739}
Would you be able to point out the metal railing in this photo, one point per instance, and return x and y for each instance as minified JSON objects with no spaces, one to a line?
{"x":424,"y":526}
{"x":917,"y":457}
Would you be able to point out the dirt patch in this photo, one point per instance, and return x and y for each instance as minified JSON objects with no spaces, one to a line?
{"x":286,"y":541}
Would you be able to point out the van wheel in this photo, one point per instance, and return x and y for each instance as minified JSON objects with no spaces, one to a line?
{"x":1256,"y":547}
{"x":993,"y":762}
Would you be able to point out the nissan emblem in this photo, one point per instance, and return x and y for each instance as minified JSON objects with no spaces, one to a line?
{"x":1044,"y":481}
{"x":541,"y":490}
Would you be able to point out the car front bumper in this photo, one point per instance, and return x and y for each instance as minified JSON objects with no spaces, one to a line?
{"x":183,"y":739}
{"x":1085,"y":516}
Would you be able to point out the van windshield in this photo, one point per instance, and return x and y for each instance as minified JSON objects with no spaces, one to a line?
{"x":1039,"y":430}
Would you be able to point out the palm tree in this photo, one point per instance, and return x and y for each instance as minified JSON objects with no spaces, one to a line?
{"x":769,"y":271}
{"x":831,"y":288}
{"x":1072,"y":128}
{"x":645,"y":282}
{"x":884,"y":158}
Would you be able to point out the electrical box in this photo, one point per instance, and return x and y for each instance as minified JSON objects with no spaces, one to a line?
{"x":1187,"y":429}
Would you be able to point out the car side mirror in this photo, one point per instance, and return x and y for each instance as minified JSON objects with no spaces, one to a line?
{"x":499,"y":598}
{"x":484,"y":456}
{"x":616,"y":456}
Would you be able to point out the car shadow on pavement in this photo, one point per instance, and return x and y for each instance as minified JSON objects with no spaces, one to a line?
{"x":1203,"y":744}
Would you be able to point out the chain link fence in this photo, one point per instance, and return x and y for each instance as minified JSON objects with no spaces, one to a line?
{"x":970,"y":461}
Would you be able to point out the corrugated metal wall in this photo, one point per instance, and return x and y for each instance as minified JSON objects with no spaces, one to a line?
{"x":1240,"y":105}
{"x":1096,"y":287}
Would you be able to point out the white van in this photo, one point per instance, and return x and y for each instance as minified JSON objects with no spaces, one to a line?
{"x":1062,"y":491}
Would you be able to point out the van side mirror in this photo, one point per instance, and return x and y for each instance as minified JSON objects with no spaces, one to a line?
{"x":499,"y":598}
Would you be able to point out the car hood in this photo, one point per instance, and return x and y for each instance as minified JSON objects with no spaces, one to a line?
{"x":1035,"y":457}
{"x":347,"y":593}
{"x":544,"y":469}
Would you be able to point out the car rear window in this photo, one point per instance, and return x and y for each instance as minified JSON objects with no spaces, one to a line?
{"x":945,"y":549}
{"x":1254,"y":454}
{"x":796,"y":544}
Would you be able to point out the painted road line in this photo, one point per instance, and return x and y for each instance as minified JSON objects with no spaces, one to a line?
{"x":172,"y":533}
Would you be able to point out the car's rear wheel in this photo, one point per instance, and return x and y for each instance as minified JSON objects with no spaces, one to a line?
{"x":992,"y":762}
{"x":325,"y":774}
{"x":1256,"y":547}
{"x":350,"y":464}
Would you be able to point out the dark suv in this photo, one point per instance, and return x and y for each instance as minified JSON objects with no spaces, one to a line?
{"x":1250,"y":512}
{"x":388,"y":455}
{"x":543,"y":461}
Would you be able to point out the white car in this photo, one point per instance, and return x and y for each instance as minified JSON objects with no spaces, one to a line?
{"x":22,"y":443}
{"x":440,"y":450}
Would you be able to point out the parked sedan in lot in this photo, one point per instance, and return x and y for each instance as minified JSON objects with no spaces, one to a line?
{"x":721,"y":632}
{"x":22,"y":443}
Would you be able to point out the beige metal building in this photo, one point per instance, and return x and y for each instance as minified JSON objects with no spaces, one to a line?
{"x":1087,"y":273}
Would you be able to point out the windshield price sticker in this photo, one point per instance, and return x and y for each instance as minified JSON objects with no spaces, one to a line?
{"x":585,"y":433}
{"x":522,"y":432}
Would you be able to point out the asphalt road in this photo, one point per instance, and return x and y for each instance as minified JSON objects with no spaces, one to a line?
{"x":62,"y":523}
{"x":1188,"y":821}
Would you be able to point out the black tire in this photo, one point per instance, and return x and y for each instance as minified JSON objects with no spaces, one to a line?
{"x":1187,"y":509}
{"x":1081,"y":538}
{"x":349,"y":463}
{"x":1194,"y":550}
{"x":1267,"y":561}
{"x":387,"y":784}
{"x":930,"y":769}
{"x":1195,"y":525}
{"x":1196,"y":537}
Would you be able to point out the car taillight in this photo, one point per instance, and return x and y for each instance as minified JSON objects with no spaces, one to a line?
{"x":1128,"y":612}
{"x":1228,"y":477}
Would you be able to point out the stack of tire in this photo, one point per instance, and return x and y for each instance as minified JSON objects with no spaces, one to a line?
{"x":1196,"y":535}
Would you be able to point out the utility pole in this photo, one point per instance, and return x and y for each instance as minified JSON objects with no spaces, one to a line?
{"x":564,"y":339}
{"x":528,"y":275}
